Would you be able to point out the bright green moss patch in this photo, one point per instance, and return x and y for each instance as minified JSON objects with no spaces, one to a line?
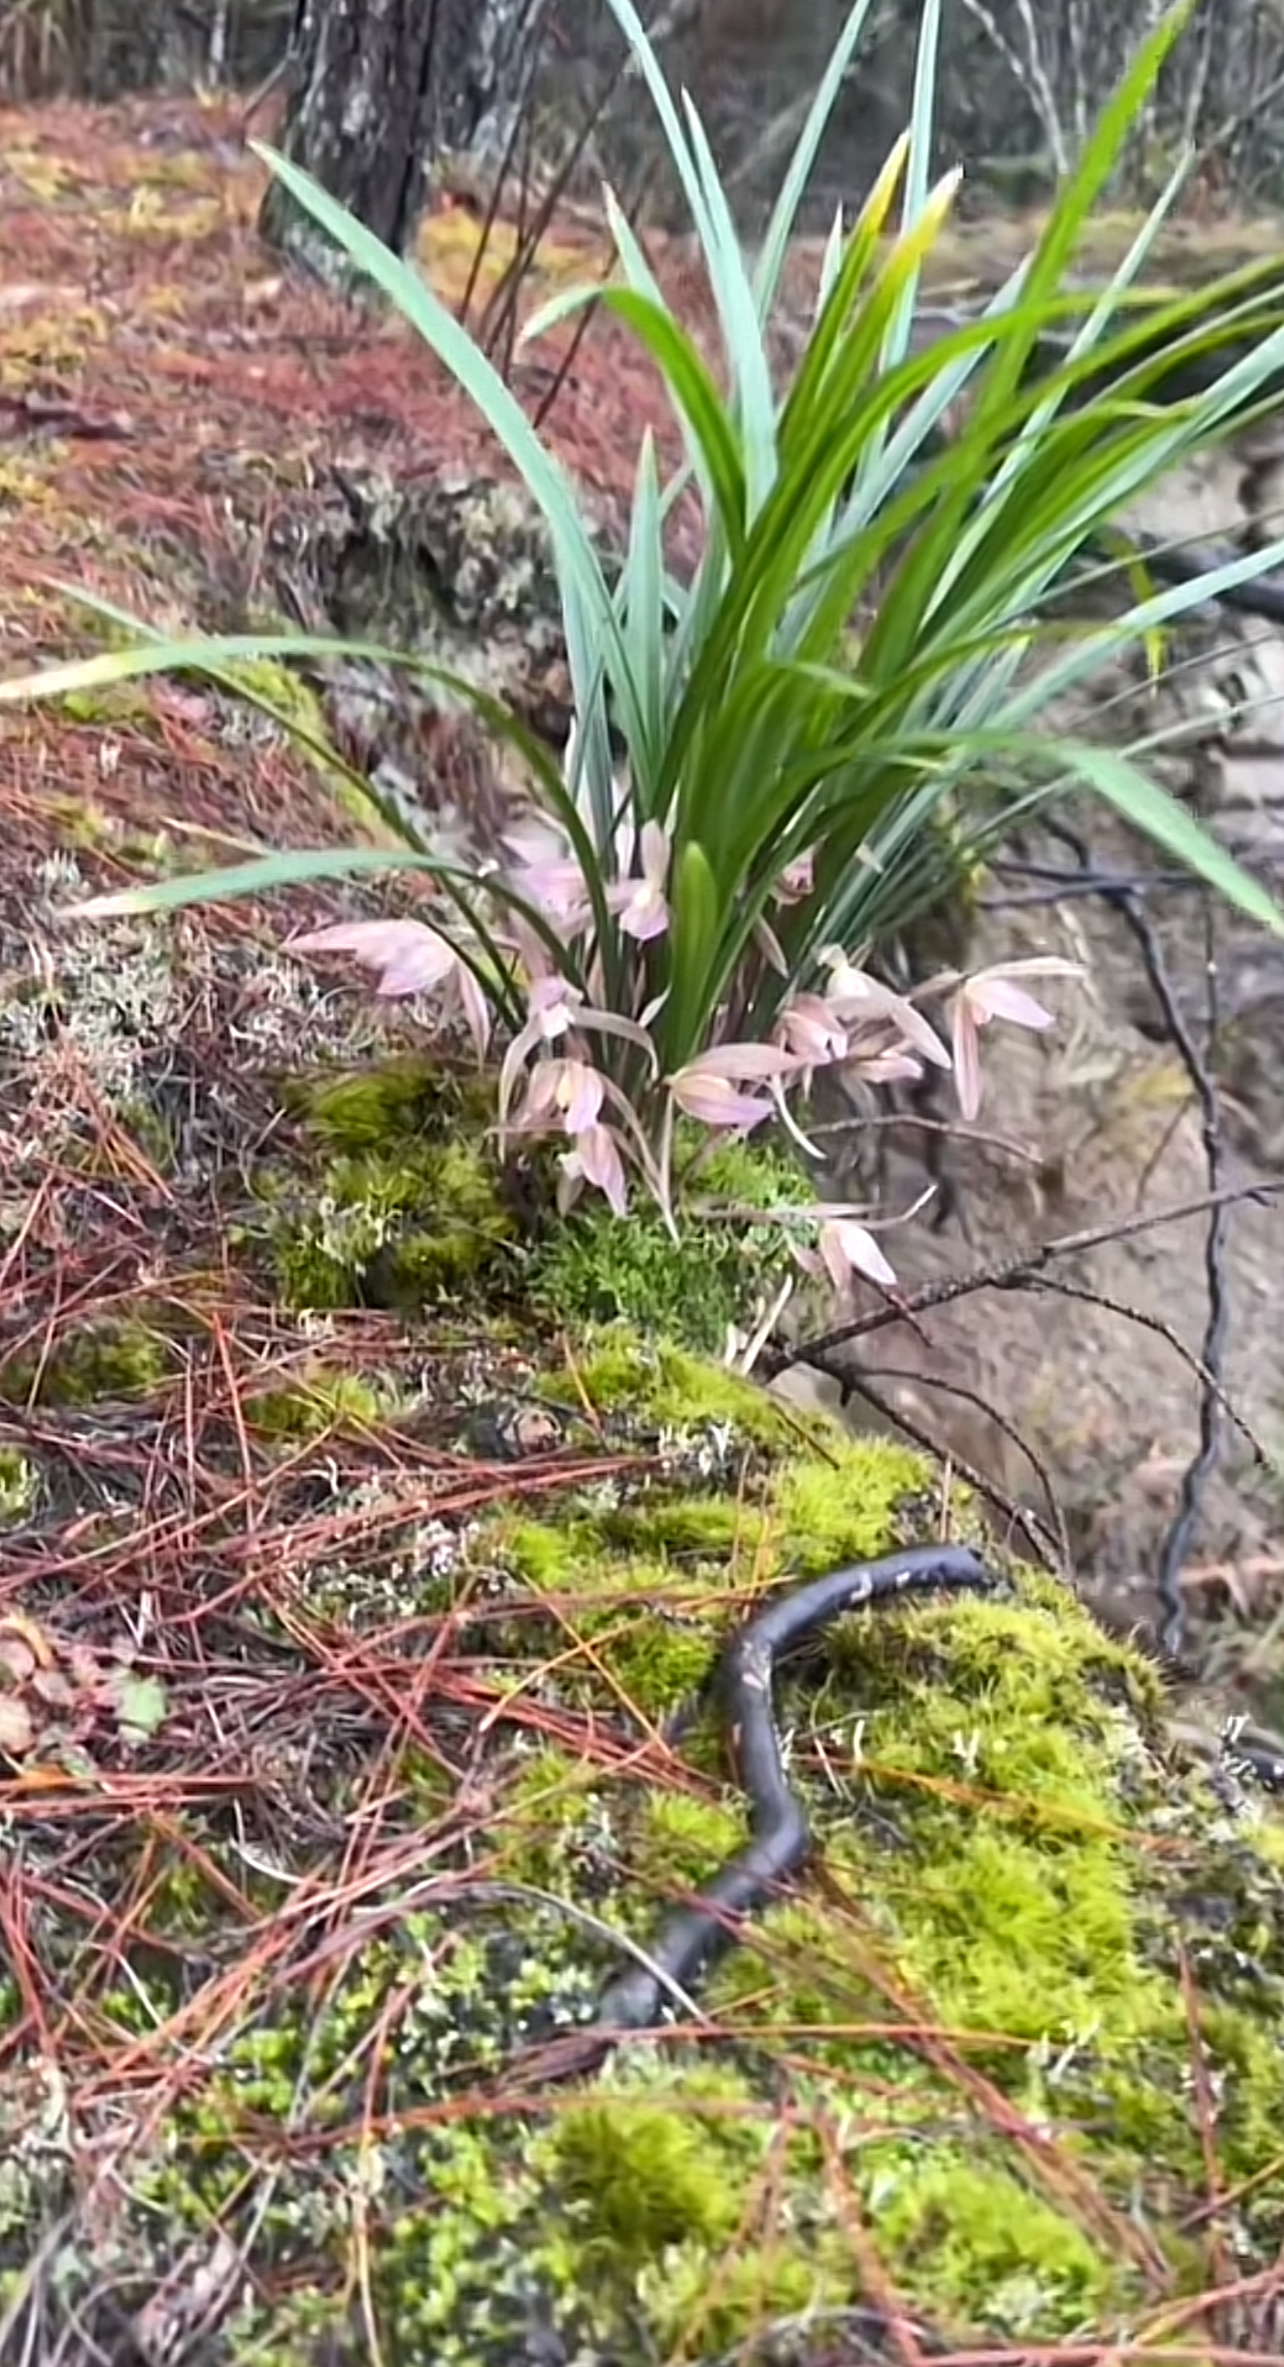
{"x":965,"y":2032}
{"x":666,"y":1389}
{"x":973,"y":2224}
{"x":599,"y":1271}
{"x":1004,"y":1860}
{"x":421,"y":1229}
{"x":414,"y":1207}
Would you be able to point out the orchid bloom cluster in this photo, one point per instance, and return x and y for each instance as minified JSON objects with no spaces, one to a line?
{"x":557,"y":1079}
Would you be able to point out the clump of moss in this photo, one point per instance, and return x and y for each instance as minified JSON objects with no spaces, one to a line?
{"x":967,"y":2032}
{"x":409,"y":1205}
{"x":19,"y":1484}
{"x":403,"y":1100}
{"x":598,"y":1269}
{"x":316,"y":1402}
{"x":105,"y":1359}
{"x":401,"y":1204}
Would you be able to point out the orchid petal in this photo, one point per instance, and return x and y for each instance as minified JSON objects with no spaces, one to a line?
{"x":853,"y":995}
{"x":640,"y":909}
{"x":655,"y":852}
{"x":579,"y":1093}
{"x":769,"y":943}
{"x":848,"y":1248}
{"x":600,"y":1164}
{"x":742,"y":1061}
{"x":476,"y":1009}
{"x":714,"y":1101}
{"x":1035,"y":965}
{"x":996,"y":999}
{"x":796,"y":881}
{"x":807,"y":1026}
{"x":967,"y":1059}
{"x":411,"y":957}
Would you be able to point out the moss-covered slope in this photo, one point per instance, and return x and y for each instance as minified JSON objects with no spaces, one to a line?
{"x":971,"y":2049}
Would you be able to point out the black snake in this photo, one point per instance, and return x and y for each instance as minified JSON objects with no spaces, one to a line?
{"x":742,"y":1688}
{"x":695,"y":1935}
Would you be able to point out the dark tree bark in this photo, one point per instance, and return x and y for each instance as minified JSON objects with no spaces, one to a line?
{"x":379,"y":90}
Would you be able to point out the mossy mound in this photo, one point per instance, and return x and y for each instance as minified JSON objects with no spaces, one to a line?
{"x":393,"y":1194}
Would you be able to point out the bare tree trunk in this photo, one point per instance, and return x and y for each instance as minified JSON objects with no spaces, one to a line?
{"x":380,"y":88}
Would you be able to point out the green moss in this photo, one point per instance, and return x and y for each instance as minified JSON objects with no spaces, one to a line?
{"x":316,"y":1402}
{"x":598,"y":1269}
{"x":116,"y":703}
{"x":393,"y":1197}
{"x":105,"y":1359}
{"x":967,"y":2225}
{"x":648,"y":2179}
{"x":665,"y":1389}
{"x":399,"y":1100}
{"x":419,"y":1229}
{"x":19,"y":1484}
{"x":1007,"y":1887}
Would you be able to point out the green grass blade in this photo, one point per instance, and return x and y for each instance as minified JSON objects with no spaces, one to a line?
{"x":775,"y":244}
{"x":643,"y":597}
{"x":694,"y":395}
{"x":753,"y":395}
{"x":578,"y":565}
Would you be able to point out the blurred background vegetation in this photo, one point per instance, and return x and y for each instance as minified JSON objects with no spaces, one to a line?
{"x":1021,"y":82}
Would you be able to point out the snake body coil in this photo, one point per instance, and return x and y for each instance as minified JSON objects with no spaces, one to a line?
{"x":694,"y":1936}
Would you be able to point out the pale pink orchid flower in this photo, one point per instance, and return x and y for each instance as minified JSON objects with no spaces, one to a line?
{"x":807,"y":1027}
{"x":797,"y":880}
{"x":855,"y":998}
{"x":410,"y":958}
{"x":844,"y":1249}
{"x":639,"y":903}
{"x":567,"y":1093}
{"x":553,"y":1008}
{"x":554,"y":884}
{"x":593,"y":1159}
{"x":556,"y":1009}
{"x":994,"y":994}
{"x":793,"y":886}
{"x":708,"y":1087}
{"x":878,"y":1067}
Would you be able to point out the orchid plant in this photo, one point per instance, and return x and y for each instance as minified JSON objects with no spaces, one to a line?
{"x":553,"y":1079}
{"x":827,"y":721}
